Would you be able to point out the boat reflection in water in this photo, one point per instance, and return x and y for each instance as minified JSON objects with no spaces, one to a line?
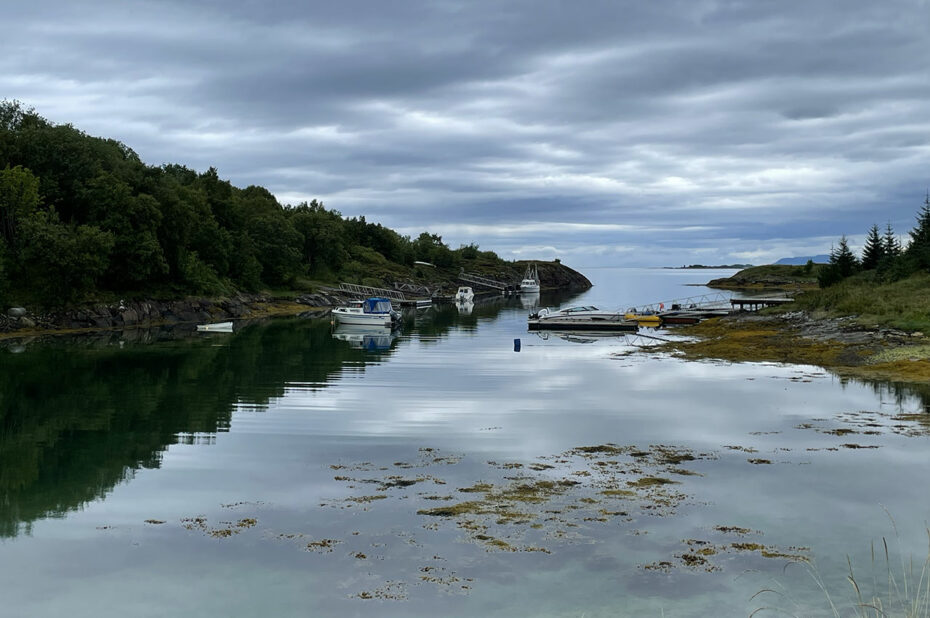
{"x":635,"y":339}
{"x":365,"y":337}
{"x":529,"y":300}
{"x":465,"y":307}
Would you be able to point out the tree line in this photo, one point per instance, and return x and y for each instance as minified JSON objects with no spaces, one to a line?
{"x":883,"y":255}
{"x":80,"y":215}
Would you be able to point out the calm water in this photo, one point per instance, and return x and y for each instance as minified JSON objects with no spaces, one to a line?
{"x":287,"y":470}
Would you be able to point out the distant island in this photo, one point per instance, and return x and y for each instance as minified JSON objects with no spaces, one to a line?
{"x":804,"y":259}
{"x":700,"y":266}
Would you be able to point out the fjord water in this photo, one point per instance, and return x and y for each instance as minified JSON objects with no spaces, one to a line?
{"x":287,"y":470}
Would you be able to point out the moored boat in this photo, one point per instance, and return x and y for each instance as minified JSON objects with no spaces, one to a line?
{"x":375,"y":311}
{"x":585,"y":317}
{"x":680,"y":317}
{"x":530,"y":281}
{"x":643,"y":318}
{"x":464,"y":295}
{"x":217,"y":327}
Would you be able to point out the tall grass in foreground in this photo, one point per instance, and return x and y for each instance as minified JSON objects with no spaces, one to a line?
{"x":896,"y":588}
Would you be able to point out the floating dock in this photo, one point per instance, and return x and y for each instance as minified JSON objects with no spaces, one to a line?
{"x":588,"y":325}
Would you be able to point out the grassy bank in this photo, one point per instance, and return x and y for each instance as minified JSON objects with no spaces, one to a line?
{"x":870,"y":302}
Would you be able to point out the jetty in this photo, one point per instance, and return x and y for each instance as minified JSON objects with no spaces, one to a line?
{"x":487,"y":282}
{"x":756,"y":303}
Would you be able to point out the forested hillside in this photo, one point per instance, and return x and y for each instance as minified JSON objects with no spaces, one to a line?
{"x":82,"y":217}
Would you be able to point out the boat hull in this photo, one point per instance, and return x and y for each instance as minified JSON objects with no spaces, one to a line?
{"x":582,"y":324}
{"x":219,"y":327}
{"x":362,"y":319}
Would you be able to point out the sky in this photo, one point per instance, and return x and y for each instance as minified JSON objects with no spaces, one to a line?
{"x":615,"y":133}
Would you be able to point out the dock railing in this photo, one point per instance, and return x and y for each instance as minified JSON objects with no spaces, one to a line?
{"x":479,"y":280}
{"x":364,"y":290}
{"x":710,"y":302}
{"x":704,"y":302}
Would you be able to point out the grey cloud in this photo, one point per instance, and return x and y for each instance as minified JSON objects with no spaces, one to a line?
{"x":738,"y":121}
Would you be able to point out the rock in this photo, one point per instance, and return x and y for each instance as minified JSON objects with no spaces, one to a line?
{"x":25,"y":322}
{"x":16,"y":312}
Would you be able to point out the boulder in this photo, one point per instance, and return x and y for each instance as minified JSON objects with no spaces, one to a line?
{"x":16,"y":312}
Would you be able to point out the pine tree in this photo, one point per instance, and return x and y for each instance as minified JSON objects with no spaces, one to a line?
{"x":890,"y":245}
{"x":919,"y":249}
{"x":843,"y":259}
{"x":873,"y":251}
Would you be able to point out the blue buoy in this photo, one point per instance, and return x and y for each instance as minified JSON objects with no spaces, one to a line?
{"x":516,"y":345}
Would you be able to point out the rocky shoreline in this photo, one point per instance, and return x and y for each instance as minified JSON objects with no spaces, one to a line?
{"x":799,"y":337}
{"x":126,"y":314}
{"x":17,"y":321}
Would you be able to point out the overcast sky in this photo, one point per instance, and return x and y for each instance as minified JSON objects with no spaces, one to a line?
{"x":638,"y":132}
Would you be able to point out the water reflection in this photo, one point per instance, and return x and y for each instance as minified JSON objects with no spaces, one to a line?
{"x":80,"y":414}
{"x":368,"y":338}
{"x":465,"y":307}
{"x":529,"y":300}
{"x":303,"y":438}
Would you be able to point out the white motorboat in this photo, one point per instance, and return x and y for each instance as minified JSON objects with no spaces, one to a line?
{"x":530,"y":281}
{"x":464,"y":295}
{"x":583,"y":317}
{"x":375,"y":311}
{"x":218,"y":327}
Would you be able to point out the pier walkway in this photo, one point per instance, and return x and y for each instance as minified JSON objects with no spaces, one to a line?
{"x":756,"y":303}
{"x":487,"y":282}
{"x":366,"y":291}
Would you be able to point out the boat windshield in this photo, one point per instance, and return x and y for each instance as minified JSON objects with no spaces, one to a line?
{"x":378,"y":305}
{"x":578,"y":309}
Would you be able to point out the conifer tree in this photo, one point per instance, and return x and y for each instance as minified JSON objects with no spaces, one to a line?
{"x":890,"y":245}
{"x":873,"y":251}
{"x":919,"y":249}
{"x":843,"y":259}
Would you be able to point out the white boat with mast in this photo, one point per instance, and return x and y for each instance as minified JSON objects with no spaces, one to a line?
{"x":530,"y":281}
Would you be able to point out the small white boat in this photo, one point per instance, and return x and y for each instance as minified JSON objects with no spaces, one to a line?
{"x":464,"y":295}
{"x":375,"y":311}
{"x":218,"y":327}
{"x":530,"y":281}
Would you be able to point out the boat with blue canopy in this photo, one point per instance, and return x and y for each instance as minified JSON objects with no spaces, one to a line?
{"x":374,"y":311}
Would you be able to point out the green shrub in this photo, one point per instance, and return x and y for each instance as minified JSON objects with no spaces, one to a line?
{"x":200,"y":276}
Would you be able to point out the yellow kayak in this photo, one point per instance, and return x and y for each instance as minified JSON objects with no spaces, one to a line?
{"x":645,"y":319}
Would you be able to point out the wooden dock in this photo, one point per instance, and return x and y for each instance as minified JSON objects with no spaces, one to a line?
{"x":756,"y":303}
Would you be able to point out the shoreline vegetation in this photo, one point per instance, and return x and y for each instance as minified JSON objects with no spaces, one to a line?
{"x":87,"y":228}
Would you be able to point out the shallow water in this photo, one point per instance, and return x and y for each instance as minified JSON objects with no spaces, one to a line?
{"x":288,"y":470}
